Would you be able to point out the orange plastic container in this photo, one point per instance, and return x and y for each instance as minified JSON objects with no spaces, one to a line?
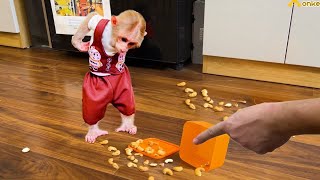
{"x":209,"y":155}
{"x":169,"y":148}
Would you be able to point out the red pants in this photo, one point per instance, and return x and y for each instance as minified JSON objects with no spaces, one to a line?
{"x":98,"y":92}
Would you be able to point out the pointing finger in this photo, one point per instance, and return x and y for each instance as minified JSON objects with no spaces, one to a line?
{"x":212,"y":132}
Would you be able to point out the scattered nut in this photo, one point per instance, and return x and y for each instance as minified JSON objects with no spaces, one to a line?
{"x":167,"y":171}
{"x":194,"y":94}
{"x":130,"y":164}
{"x":225,"y":118}
{"x":110,"y":161}
{"x":131,"y":158}
{"x":153,"y":164}
{"x":219,"y":109}
{"x":207,"y":98}
{"x":111,"y":148}
{"x":134,"y":144}
{"x":188,"y":90}
{"x":146,"y":162}
{"x":181,"y":84}
{"x":221,"y":103}
{"x":168,"y":161}
{"x":207,"y":105}
{"x":151,"y":178}
{"x":140,"y":149}
{"x":135,"y":161}
{"x":128,"y":151}
{"x":211,"y":101}
{"x":116,"y":153}
{"x":115,"y":165}
{"x":188,"y":102}
{"x":192,"y":106}
{"x":138,"y":154}
{"x":243,"y":102}
{"x":204,"y":92}
{"x":178,"y":168}
{"x":143,"y":168}
{"x":26,"y":149}
{"x":105,"y":142}
{"x":139,"y":141}
{"x":228,"y":105}
{"x":236,"y":105}
{"x":161,"y":152}
{"x":198,"y":171}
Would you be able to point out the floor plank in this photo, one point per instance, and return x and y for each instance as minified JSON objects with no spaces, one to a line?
{"x":40,"y":105}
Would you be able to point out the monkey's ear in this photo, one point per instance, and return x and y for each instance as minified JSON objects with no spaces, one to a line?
{"x":114,"y":20}
{"x":145,"y":33}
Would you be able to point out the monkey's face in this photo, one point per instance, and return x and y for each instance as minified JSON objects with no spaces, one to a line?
{"x":125,"y":42}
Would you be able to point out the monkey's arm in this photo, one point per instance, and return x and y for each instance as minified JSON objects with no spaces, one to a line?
{"x":81,"y":33}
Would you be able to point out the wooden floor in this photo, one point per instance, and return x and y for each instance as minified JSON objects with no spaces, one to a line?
{"x":40,"y":105}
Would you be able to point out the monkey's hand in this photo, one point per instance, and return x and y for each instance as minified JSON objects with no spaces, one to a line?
{"x":79,"y":44}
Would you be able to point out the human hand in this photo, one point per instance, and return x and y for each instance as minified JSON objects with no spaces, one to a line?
{"x":256,"y":128}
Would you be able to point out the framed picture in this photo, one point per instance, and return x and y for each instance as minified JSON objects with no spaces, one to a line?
{"x":68,"y":14}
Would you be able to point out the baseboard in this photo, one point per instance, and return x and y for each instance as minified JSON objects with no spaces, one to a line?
{"x":263,"y":71}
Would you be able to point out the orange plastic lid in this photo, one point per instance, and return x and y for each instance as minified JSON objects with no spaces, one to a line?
{"x":155,"y":148}
{"x":209,"y":155}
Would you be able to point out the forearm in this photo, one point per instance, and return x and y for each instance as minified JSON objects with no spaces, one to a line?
{"x":83,"y":29}
{"x":299,"y":117}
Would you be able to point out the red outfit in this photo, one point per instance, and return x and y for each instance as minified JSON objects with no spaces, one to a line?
{"x":99,"y":91}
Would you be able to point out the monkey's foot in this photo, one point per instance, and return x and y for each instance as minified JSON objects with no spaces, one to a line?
{"x":93,"y":134}
{"x":127,"y":127}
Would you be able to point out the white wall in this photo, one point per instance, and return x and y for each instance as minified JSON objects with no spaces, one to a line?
{"x":8,"y":17}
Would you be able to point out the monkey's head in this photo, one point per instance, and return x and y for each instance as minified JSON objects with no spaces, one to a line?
{"x":128,"y":30}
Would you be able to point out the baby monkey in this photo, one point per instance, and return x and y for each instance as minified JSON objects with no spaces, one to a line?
{"x":108,"y":79}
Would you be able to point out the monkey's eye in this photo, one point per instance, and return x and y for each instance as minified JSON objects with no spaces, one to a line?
{"x":124,"y":39}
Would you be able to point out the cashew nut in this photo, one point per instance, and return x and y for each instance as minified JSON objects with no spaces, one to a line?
{"x":211,"y":101}
{"x":110,"y":161}
{"x":194,"y":94}
{"x":188,"y":90}
{"x":161,"y":152}
{"x":138,"y":154}
{"x":167,"y":171}
{"x":131,"y":158}
{"x":140,"y":149}
{"x":219,"y":109}
{"x":236,"y":105}
{"x":105,"y":142}
{"x":221,"y":103}
{"x":135,"y":161}
{"x":139,"y":141}
{"x":168,"y":161}
{"x":204,"y":92}
{"x":243,"y":102}
{"x":225,"y":118}
{"x":207,"y":105}
{"x":228,"y":105}
{"x":198,"y":171}
{"x":115,"y":165}
{"x":128,"y":151}
{"x":116,"y":153}
{"x":146,"y":162}
{"x":143,"y":168}
{"x":181,"y":84}
{"x":192,"y":106}
{"x":178,"y":168}
{"x":111,"y":148}
{"x":188,"y":102}
{"x":131,"y":164}
{"x":153,"y":164}
{"x":207,"y":98}
{"x":151,"y":178}
{"x":134,"y":144}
